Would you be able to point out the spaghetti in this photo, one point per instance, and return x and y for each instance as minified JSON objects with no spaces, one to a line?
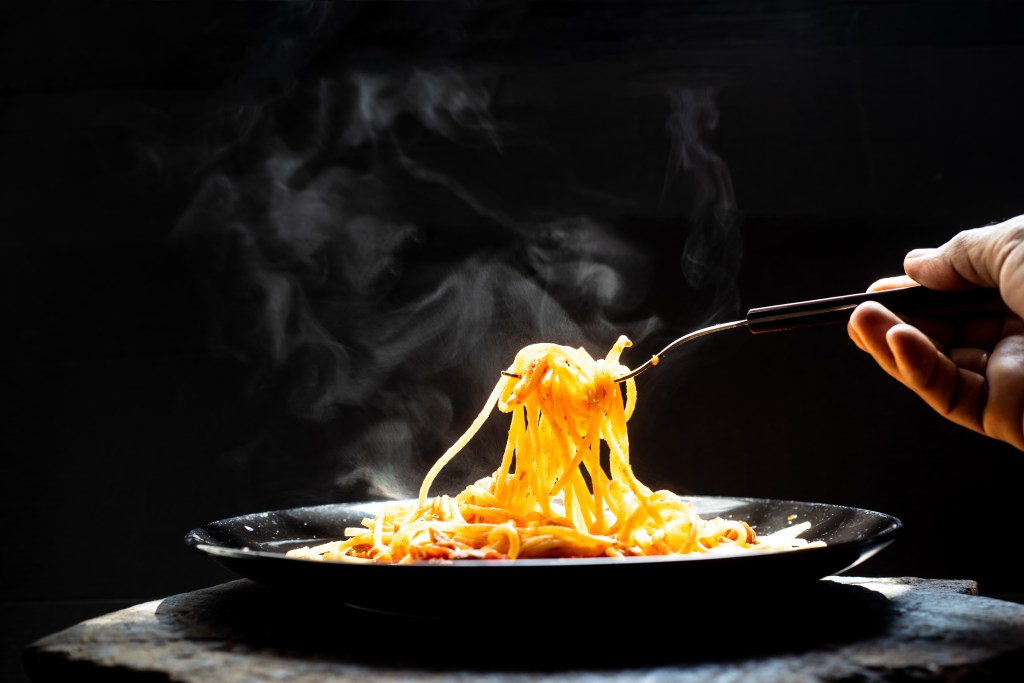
{"x":564,"y":488}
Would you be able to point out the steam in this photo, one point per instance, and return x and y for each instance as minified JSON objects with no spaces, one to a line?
{"x":359,"y":252}
{"x":712,"y":251}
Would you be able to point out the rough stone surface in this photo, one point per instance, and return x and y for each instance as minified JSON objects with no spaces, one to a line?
{"x":843,"y":629}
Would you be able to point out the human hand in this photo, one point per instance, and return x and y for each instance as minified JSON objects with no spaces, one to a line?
{"x":969,"y":370}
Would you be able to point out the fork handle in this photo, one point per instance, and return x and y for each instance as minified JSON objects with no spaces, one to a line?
{"x":902,"y":301}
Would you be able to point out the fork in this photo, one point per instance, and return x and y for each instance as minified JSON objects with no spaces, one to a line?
{"x":903,"y":301}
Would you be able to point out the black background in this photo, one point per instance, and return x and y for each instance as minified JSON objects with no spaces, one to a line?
{"x":168,"y":168}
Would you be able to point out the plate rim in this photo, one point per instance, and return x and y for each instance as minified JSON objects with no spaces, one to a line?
{"x":198,"y":538}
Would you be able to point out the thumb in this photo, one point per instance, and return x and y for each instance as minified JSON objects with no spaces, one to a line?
{"x":992,"y":256}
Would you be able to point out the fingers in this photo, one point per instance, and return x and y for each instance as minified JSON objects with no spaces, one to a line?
{"x":911,"y":357}
{"x":968,"y":330}
{"x":982,"y":391}
{"x":956,"y":393}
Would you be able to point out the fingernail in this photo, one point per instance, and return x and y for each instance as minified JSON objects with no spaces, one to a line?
{"x":855,"y":337}
{"x":920,"y":253}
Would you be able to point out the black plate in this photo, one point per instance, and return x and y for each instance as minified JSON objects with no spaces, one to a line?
{"x":254,"y":546}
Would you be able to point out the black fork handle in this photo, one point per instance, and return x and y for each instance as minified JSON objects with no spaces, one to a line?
{"x":902,"y":301}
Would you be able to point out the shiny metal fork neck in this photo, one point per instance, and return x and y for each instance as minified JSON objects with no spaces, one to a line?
{"x":720,"y":327}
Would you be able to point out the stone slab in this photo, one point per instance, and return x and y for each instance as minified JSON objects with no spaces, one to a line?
{"x":841,"y":629}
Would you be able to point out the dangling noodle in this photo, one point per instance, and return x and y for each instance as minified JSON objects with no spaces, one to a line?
{"x":557,"y":491}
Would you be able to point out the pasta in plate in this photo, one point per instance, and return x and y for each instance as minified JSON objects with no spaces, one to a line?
{"x":564,"y":487}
